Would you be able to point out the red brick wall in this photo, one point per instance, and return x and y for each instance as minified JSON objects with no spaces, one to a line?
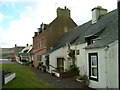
{"x":36,"y":55}
{"x":40,"y":46}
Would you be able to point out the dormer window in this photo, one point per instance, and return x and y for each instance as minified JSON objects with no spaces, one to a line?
{"x":94,"y":37}
{"x":94,"y":40}
{"x":25,"y":51}
{"x":90,"y":39}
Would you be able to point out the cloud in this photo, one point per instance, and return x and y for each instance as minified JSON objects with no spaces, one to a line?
{"x":19,"y":0}
{"x":21,"y":31}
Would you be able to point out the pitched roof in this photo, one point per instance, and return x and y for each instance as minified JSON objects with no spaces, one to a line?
{"x":105,"y":30}
{"x":69,"y":37}
{"x":57,"y":28}
{"x":109,"y":24}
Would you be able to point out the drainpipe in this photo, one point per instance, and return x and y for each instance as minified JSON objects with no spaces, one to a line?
{"x":3,"y":77}
{"x":75,"y":54}
{"x":106,"y":63}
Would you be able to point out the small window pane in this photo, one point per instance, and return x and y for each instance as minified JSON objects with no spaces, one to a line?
{"x":94,"y":71}
{"x":94,"y":60}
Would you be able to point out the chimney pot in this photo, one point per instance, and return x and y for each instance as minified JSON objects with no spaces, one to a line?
{"x":35,"y":33}
{"x":27,"y":44}
{"x":63,"y":12}
{"x":97,"y":12}
{"x":15,"y":45}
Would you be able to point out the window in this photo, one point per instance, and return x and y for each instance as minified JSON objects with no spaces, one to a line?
{"x":93,"y":66}
{"x":39,"y":57}
{"x":77,"y":52}
{"x":89,"y":39}
{"x":40,"y":43}
{"x":25,"y":51}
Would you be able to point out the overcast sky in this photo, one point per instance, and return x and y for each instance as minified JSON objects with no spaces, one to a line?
{"x":19,"y":19}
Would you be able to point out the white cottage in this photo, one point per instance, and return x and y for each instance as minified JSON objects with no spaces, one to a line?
{"x":25,"y":55}
{"x":98,"y":57}
{"x":96,"y":49}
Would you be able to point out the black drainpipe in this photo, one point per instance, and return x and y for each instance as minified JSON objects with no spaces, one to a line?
{"x":3,"y":77}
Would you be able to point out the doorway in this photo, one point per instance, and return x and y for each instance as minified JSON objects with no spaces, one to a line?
{"x":60,"y":64}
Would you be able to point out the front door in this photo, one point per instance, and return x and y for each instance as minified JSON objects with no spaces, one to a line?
{"x":60,"y":64}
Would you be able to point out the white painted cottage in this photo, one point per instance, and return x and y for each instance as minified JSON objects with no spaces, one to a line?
{"x":25,"y":55}
{"x":96,"y":47}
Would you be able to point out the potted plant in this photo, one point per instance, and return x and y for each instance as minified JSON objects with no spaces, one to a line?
{"x":82,"y":78}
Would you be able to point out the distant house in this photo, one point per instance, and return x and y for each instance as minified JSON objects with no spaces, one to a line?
{"x":96,"y":49}
{"x":48,"y":36}
{"x":10,"y":53}
{"x":25,"y":55}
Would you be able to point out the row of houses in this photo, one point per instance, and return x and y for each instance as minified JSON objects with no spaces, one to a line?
{"x":10,"y":53}
{"x":94,"y":45}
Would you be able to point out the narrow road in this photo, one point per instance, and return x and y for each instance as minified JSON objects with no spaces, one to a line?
{"x":58,"y":82}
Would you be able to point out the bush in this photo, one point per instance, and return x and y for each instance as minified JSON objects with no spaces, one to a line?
{"x":82,"y":77}
{"x":73,"y":68}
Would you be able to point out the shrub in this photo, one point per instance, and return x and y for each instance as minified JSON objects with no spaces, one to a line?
{"x":73,"y":68}
{"x":82,"y":77}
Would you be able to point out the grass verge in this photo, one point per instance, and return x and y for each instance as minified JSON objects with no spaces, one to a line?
{"x":24,"y":78}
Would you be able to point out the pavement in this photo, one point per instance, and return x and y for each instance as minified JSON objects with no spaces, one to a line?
{"x":57,"y":82}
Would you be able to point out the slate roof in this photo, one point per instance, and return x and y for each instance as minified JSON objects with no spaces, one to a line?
{"x":106,"y":29}
{"x":8,"y":52}
{"x":109,"y":23}
{"x":7,"y":49}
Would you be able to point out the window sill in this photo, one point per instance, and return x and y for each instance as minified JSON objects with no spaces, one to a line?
{"x":93,"y":78}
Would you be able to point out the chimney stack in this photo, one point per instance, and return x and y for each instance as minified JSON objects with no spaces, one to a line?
{"x":97,"y":12}
{"x":27,"y":44}
{"x":35,"y":33}
{"x":15,"y":45}
{"x":63,"y":12}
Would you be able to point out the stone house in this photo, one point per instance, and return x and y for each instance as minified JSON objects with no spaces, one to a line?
{"x":49,"y":35}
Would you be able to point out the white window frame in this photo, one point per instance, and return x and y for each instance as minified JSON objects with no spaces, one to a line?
{"x":91,"y":66}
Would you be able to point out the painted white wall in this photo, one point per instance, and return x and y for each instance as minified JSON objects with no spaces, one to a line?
{"x":81,"y":59}
{"x":101,"y":83}
{"x":60,"y":53}
{"x":113,"y":65}
{"x":107,"y":66}
{"x":53,"y":58}
{"x":67,"y":61}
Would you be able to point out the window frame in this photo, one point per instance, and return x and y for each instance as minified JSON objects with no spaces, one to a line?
{"x":91,"y":77}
